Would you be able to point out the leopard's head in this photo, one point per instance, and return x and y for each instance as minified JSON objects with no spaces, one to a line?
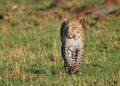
{"x":74,"y":27}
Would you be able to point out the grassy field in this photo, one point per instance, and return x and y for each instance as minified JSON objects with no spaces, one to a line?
{"x":30,"y":47}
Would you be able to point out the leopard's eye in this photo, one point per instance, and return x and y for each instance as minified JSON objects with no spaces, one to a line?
{"x":73,"y":27}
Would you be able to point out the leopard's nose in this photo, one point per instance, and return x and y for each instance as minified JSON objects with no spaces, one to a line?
{"x":70,"y":32}
{"x":69,"y":36}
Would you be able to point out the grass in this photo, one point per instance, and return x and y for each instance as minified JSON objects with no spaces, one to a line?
{"x":30,"y":48}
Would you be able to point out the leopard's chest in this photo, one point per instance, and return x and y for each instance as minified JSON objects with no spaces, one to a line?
{"x":73,"y":44}
{"x":70,"y":47}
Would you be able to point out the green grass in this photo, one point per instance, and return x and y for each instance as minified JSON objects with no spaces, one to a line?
{"x":30,"y":48}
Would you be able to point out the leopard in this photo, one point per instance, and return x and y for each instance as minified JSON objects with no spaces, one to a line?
{"x":72,"y":33}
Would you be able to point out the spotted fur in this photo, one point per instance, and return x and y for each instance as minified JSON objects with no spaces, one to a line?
{"x":72,"y":38}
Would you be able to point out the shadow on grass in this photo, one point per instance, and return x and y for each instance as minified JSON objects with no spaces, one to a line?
{"x":40,"y":9}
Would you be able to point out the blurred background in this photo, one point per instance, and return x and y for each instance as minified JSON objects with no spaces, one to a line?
{"x":30,"y":43}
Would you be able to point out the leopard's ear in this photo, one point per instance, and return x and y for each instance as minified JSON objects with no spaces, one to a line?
{"x":80,"y":20}
{"x":66,"y":20}
{"x":83,"y":22}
